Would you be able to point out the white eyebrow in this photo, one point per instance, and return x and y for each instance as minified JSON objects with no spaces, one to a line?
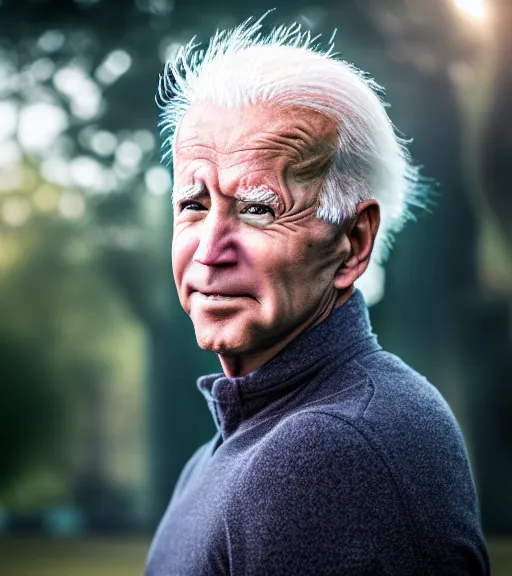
{"x":187,"y":193}
{"x":258,"y":194}
{"x":255,"y":194}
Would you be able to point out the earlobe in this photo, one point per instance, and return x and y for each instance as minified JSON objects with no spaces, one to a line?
{"x":360,"y":234}
{"x":347,"y":273}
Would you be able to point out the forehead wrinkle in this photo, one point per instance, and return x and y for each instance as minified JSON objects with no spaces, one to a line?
{"x":293,"y":142}
{"x":264,"y":148}
{"x":287,"y":144}
{"x":289,"y":141}
{"x":315,"y":161}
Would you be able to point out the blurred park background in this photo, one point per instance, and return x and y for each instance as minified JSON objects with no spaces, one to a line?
{"x":98,"y":404}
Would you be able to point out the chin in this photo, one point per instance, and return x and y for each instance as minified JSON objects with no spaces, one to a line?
{"x":223,"y":332}
{"x":221,"y":341}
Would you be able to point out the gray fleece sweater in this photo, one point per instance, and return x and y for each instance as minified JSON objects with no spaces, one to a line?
{"x":333,"y":458}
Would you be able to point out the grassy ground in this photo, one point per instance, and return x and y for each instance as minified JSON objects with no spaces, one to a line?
{"x":115,"y":557}
{"x":500,"y":550}
{"x":70,"y":557}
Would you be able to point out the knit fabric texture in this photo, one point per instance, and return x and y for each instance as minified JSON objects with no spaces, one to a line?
{"x":335,"y":457}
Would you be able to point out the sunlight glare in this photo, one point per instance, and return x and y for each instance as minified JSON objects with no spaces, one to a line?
{"x":474,"y":8}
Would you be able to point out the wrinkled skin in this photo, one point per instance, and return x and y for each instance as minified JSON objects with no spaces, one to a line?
{"x":254,"y":275}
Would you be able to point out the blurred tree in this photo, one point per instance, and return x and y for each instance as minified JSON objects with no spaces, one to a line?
{"x":448,"y":280}
{"x":81,"y":92}
{"x":31,"y":410}
{"x":62,"y":316}
{"x":488,"y":153}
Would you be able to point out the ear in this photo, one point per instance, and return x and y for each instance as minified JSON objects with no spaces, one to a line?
{"x":360,"y":234}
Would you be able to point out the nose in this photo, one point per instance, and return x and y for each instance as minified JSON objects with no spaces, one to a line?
{"x":216,"y":242}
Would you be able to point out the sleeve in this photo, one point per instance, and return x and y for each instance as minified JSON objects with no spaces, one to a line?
{"x":317,"y":499}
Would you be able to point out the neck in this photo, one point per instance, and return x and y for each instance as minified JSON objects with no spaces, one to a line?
{"x":240,"y":365}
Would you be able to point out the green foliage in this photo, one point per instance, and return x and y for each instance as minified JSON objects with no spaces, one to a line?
{"x":32,"y":409}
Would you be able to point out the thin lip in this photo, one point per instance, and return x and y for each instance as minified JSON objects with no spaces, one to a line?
{"x":223,"y":294}
{"x":226,"y":293}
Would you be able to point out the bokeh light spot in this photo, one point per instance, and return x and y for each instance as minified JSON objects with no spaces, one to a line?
{"x":39,"y":125}
{"x":11,"y":178}
{"x":42,"y":69}
{"x":10,"y":153}
{"x":158,"y":180}
{"x":15,"y":211}
{"x":103,"y":143}
{"x":86,"y":172}
{"x":83,"y":93}
{"x":46,"y":198}
{"x":8,"y":119}
{"x":51,"y":41}
{"x":71,"y":205}
{"x":56,"y":170}
{"x":115,"y":65}
{"x":128,"y":154}
{"x":145,"y":139}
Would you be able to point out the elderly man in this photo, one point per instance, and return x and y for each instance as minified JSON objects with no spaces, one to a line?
{"x":332,"y":456}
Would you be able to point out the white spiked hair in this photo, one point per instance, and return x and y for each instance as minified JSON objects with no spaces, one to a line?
{"x":242,"y":67}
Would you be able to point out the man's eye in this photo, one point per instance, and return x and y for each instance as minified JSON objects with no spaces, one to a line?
{"x":189,"y":205}
{"x":258,"y":210}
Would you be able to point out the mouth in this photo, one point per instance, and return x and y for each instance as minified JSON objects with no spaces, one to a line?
{"x":221,"y":296}
{"x":218,"y":295}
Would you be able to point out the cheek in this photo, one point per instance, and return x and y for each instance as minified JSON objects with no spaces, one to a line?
{"x":184,"y":244}
{"x":283,"y":265}
{"x":301,"y":267}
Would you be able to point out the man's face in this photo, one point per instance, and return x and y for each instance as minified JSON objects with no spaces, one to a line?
{"x":252,"y":262}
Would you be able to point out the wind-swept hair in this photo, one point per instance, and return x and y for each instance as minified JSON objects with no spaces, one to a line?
{"x":242,"y":66}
